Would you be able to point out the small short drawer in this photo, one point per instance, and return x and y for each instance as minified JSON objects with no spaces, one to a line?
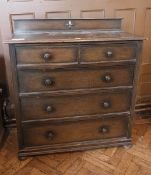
{"x":86,"y":78}
{"x":108,"y":52}
{"x":32,"y":54}
{"x":64,"y":106}
{"x":65,"y":132}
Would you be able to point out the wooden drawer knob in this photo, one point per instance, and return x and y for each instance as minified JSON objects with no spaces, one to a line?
{"x":109,"y":54}
{"x":49,"y":109}
{"x":48,"y":82}
{"x":50,"y":135}
{"x":104,"y":129}
{"x":107,"y":78}
{"x":47,"y":56}
{"x":106,"y":104}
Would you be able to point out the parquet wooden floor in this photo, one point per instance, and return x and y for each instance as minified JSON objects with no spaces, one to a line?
{"x":111,"y":161}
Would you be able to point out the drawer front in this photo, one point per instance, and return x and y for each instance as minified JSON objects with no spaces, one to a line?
{"x":34,"y":81}
{"x":75,"y":105}
{"x":77,"y":131}
{"x":31,"y":54}
{"x":107,"y":52}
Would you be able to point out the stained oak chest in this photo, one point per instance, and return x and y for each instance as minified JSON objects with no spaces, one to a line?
{"x":74,"y":84}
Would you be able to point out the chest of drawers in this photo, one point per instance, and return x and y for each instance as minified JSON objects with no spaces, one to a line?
{"x":74,"y":84}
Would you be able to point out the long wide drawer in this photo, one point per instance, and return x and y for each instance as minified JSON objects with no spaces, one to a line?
{"x":32,"y":54}
{"x":62,"y":106}
{"x":75,"y":131}
{"x":69,"y":79}
{"x":108,"y":52}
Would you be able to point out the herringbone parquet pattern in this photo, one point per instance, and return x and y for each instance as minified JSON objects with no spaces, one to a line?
{"x":112,"y":161}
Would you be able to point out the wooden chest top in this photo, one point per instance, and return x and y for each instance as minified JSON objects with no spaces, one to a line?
{"x":69,"y":30}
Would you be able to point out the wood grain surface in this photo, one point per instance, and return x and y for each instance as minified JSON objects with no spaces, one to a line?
{"x":113,"y":161}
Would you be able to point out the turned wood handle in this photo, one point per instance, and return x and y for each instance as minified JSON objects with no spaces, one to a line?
{"x":106,"y":104}
{"x":107,"y":78}
{"x":50,"y":135}
{"x":48,"y":81}
{"x":47,"y":56}
{"x":104,"y":129}
{"x":109,"y":53}
{"x":49,"y":109}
